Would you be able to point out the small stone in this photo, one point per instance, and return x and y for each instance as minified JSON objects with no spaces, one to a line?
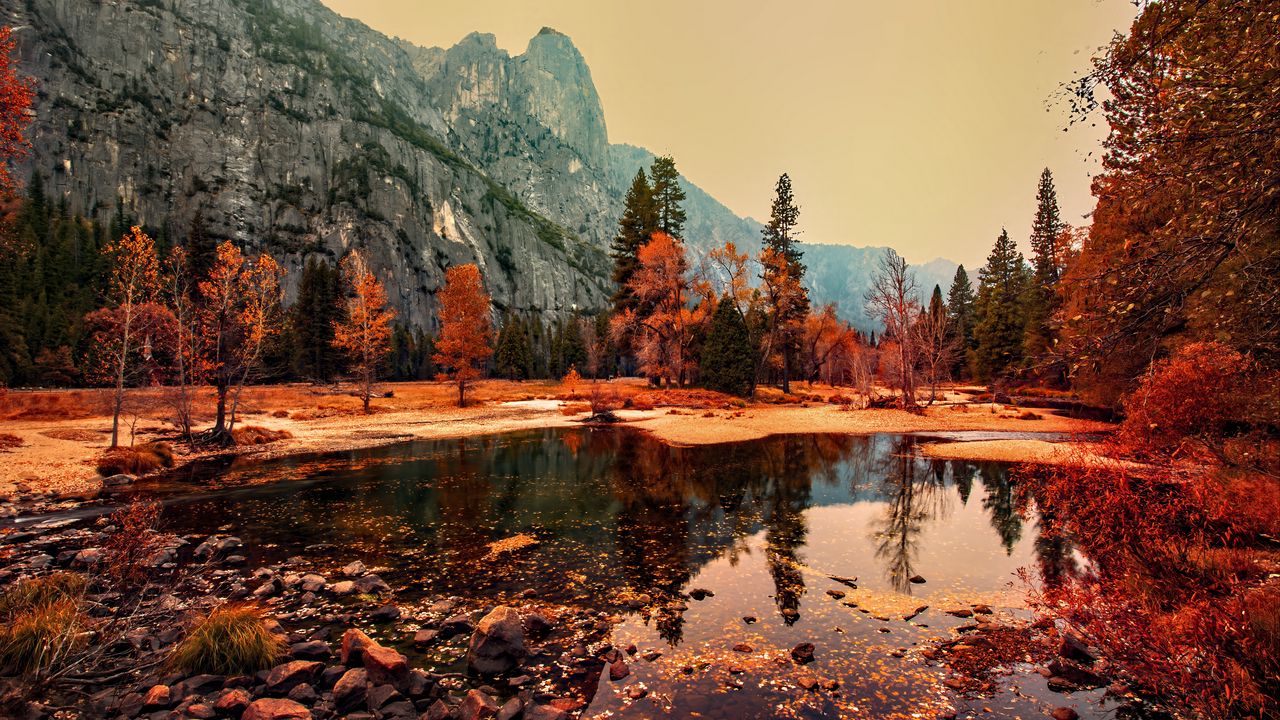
{"x":619,"y":670}
{"x":802,"y":653}
{"x":807,"y":682}
{"x":232,"y":702}
{"x":423,"y":638}
{"x":354,"y":569}
{"x":159,"y":696}
{"x":1064,"y":713}
{"x":477,"y":706}
{"x":961,"y":612}
{"x":275,"y":709}
{"x":385,"y":614}
{"x":651,"y":655}
{"x":283,"y":678}
{"x":635,"y":692}
{"x":372,"y":585}
{"x":837,"y":594}
{"x":750,"y":619}
{"x":313,"y":583}
{"x":701,"y":594}
{"x":742,"y":648}
{"x":304,"y":694}
{"x":382,"y":695}
{"x":343,"y":587}
{"x":916,"y":580}
{"x":312,"y":650}
{"x":200,"y":711}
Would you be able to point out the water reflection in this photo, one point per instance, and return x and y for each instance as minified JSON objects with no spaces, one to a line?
{"x":616,"y":510}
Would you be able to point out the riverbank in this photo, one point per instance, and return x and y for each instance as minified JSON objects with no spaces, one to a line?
{"x":57,"y":436}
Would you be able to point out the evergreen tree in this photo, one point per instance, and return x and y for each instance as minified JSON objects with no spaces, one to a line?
{"x":727,"y":356}
{"x":783,"y":270}
{"x":312,"y":320}
{"x":960,"y":307}
{"x":513,"y":356}
{"x":573,"y":349}
{"x":202,"y":251}
{"x":634,"y":228}
{"x":1041,"y":292}
{"x":664,"y":181}
{"x":999,"y":309}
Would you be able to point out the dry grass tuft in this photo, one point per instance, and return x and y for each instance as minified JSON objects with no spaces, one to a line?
{"x":230,"y":640}
{"x":9,"y":442}
{"x":74,"y":434}
{"x":258,"y":435}
{"x":41,"y":622}
{"x":26,"y":594}
{"x":136,"y":460}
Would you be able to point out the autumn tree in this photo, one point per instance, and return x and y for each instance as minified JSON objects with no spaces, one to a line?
{"x":464,"y":343}
{"x":239,"y":312}
{"x":664,"y":336}
{"x":1001,"y":318}
{"x":364,"y":335}
{"x":16,"y":93}
{"x":826,"y":342}
{"x":135,"y":281}
{"x":186,"y":335}
{"x":1183,"y":245}
{"x":782,"y":272}
{"x":892,"y":301}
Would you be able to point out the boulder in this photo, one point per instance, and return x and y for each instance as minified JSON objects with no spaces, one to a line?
{"x":312,"y":650}
{"x":275,"y":709}
{"x":345,"y":587}
{"x":802,"y":653}
{"x":497,"y":645}
{"x":232,"y":702}
{"x":385,"y":666}
{"x":354,"y":569}
{"x":283,"y":678}
{"x":351,"y":690}
{"x":477,"y":706}
{"x":372,"y":585}
{"x":313,"y":583}
{"x":353,"y":644}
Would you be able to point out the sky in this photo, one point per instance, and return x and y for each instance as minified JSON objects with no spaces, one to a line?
{"x":919,"y":125}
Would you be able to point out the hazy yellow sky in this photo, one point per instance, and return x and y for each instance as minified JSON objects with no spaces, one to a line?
{"x":921,"y":125}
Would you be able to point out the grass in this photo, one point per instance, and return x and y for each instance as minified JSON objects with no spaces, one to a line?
{"x":258,"y":435}
{"x":9,"y":442}
{"x":42,"y":622}
{"x":136,"y":460}
{"x":230,"y":640}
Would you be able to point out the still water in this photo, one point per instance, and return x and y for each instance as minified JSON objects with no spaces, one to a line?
{"x":813,"y":538}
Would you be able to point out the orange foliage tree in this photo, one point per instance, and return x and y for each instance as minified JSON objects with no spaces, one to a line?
{"x":134,"y":282}
{"x":665,"y":334}
{"x":465,"y":343}
{"x":240,"y":309}
{"x":365,"y":334}
{"x":15,"y":103}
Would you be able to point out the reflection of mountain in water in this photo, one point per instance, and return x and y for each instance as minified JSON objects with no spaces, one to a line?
{"x":614,"y":510}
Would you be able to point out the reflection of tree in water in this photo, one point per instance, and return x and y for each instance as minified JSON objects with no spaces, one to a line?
{"x":789,"y":465}
{"x":1001,"y":503}
{"x":914,"y":495}
{"x":1055,"y":552}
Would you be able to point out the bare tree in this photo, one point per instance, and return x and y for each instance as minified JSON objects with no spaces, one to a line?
{"x":892,"y":300}
{"x":937,"y":348}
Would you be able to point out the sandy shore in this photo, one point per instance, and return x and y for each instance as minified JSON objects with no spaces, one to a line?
{"x":58,"y":455}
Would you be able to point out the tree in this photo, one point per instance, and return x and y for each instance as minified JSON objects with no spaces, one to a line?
{"x":1041,"y":292}
{"x":313,"y":317}
{"x":1183,"y":245}
{"x":664,"y":181}
{"x":182,"y":299}
{"x":665,"y":336}
{"x":780,"y":258}
{"x":827,"y":342}
{"x":364,"y":335}
{"x":960,"y":311}
{"x":1001,"y":317}
{"x":16,"y":93}
{"x":937,"y":345}
{"x":513,"y":355}
{"x":892,"y":300}
{"x":727,"y":364}
{"x":638,"y":221}
{"x":464,"y":345}
{"x":239,"y":308}
{"x":135,"y":281}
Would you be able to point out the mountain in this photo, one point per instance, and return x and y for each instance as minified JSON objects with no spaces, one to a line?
{"x":299,"y":132}
{"x":841,"y":274}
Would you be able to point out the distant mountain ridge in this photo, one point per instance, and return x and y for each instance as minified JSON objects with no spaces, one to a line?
{"x":301,"y":132}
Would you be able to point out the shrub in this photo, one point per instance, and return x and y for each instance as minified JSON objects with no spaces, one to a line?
{"x":8,"y":441}
{"x":230,"y":640}
{"x":136,"y":460}
{"x":131,"y":547}
{"x":257,"y":435}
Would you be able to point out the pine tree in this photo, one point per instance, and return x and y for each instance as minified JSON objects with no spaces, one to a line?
{"x":727,"y":356}
{"x":783,"y":271}
{"x":312,"y":320}
{"x":634,"y":227}
{"x":668,"y":214}
{"x":960,"y":302}
{"x":202,"y":251}
{"x":1041,"y":292}
{"x":513,"y":356}
{"x":999,"y":309}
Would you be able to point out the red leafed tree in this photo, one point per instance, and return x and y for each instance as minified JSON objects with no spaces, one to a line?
{"x":365,"y":334}
{"x":465,"y":342}
{"x":15,"y":105}
{"x":665,"y":334}
{"x":240,"y":303}
{"x":134,"y":282}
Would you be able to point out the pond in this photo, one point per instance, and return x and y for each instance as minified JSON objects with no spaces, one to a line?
{"x":834,"y":540}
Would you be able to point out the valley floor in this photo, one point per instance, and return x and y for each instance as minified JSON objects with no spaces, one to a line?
{"x":56,"y":436}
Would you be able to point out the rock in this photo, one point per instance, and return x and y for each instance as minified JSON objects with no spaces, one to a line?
{"x":352,"y":648}
{"x":982,"y":609}
{"x":159,"y":696}
{"x":701,"y":594}
{"x":537,"y":624}
{"x":88,"y":557}
{"x":497,"y":645}
{"x":313,"y":583}
{"x":1075,"y":673}
{"x":312,"y":650}
{"x":199,"y":685}
{"x":330,"y":675}
{"x":651,"y":655}
{"x":344,"y":587}
{"x":385,"y":614}
{"x":423,"y":638}
{"x":351,"y":690}
{"x":271,"y":587}
{"x":511,"y":709}
{"x":283,"y":678}
{"x":1073,"y":648}
{"x":477,"y":706}
{"x":750,"y":619}
{"x":1064,"y":713}
{"x":742,"y":648}
{"x":802,"y":653}
{"x":916,"y":580}
{"x":200,"y":711}
{"x":385,"y":666}
{"x":807,"y":682}
{"x":961,"y":612}
{"x":380,"y":695}
{"x":275,"y":709}
{"x":354,"y":569}
{"x":118,"y":480}
{"x":455,"y":625}
{"x":304,"y":694}
{"x":438,"y":711}
{"x":837,"y":594}
{"x":420,"y":683}
{"x":544,"y":712}
{"x":636,"y":692}
{"x":618,"y":670}
{"x":371,"y":585}
{"x":398,"y":710}
{"x":232,"y":702}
